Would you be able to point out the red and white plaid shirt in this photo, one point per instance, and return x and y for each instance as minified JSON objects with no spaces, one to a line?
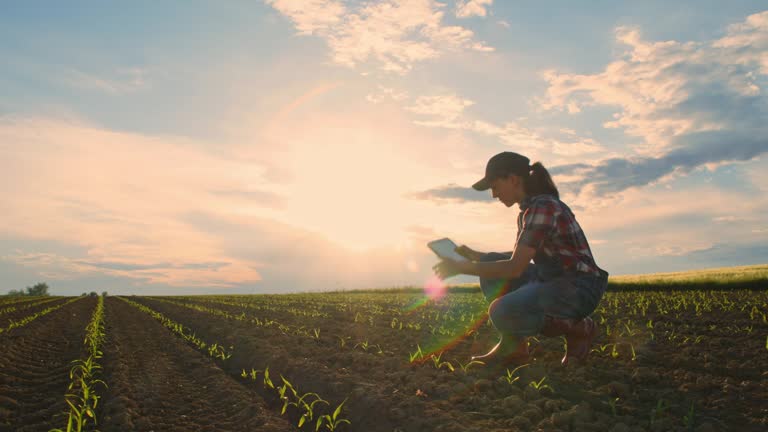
{"x":548,"y":225}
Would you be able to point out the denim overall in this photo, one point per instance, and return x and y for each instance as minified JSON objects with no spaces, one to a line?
{"x":542,"y":289}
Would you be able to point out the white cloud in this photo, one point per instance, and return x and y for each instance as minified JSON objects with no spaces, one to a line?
{"x":310,"y":16}
{"x":668,"y":89}
{"x":445,"y":108}
{"x":448,"y":111}
{"x":386,"y":93}
{"x":393,"y":34}
{"x":693,"y":104}
{"x":468,"y":8}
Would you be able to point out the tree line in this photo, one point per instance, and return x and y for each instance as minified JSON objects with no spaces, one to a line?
{"x":41,"y":289}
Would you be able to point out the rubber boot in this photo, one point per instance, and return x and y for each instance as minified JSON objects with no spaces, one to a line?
{"x":510,"y":350}
{"x":579,"y":334}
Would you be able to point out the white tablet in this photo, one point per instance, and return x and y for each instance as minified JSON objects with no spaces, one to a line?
{"x":445,"y":248}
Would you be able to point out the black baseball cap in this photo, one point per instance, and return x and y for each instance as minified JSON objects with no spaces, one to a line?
{"x":501,"y":165}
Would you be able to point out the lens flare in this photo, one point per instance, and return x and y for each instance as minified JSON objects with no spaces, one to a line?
{"x":434,"y":288}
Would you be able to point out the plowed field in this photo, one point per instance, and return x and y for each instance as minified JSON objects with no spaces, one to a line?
{"x":398,"y":361}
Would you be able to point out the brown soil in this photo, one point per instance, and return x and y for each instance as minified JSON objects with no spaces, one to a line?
{"x":714,"y":360}
{"x":34,"y":367}
{"x":158,"y":382}
{"x":25,"y":309}
{"x":723,"y":375}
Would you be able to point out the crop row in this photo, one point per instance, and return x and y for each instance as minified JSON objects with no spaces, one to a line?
{"x":81,"y":396}
{"x":9,"y":300}
{"x":27,"y":305}
{"x":302,"y":405}
{"x":29,"y":318}
{"x":214,"y":350}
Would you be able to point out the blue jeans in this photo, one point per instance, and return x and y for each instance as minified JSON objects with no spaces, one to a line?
{"x":518,"y":306}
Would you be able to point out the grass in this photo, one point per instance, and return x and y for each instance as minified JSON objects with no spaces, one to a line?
{"x":737,"y":277}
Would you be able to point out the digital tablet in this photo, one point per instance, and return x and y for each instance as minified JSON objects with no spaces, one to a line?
{"x":445,"y":248}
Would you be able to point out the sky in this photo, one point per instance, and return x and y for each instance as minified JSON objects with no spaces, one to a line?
{"x":187,"y":147}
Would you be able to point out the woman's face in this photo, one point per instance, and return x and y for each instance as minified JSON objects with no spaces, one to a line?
{"x":508,"y":190}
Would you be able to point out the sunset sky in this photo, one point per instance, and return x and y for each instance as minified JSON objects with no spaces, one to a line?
{"x":297,"y":145}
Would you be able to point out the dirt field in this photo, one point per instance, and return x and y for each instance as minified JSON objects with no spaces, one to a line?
{"x":664,"y":361}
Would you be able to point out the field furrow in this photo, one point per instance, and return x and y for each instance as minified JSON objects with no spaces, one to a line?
{"x":158,"y":382}
{"x":34,"y":368}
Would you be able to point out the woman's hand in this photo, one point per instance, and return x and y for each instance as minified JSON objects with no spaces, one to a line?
{"x":468,"y":253}
{"x":448,"y":268}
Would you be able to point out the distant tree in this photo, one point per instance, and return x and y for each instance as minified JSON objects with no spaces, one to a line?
{"x":39,"y":289}
{"x":83,"y":295}
{"x":93,"y":294}
{"x":103,"y":293}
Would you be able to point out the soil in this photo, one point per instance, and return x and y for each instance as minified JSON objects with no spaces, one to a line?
{"x":158,"y":382}
{"x":662,"y":362}
{"x":34,"y":366}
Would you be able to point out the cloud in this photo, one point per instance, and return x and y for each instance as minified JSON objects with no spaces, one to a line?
{"x":446,"y":109}
{"x":393,"y":35}
{"x":692,"y":151}
{"x":451,"y":192}
{"x":468,"y":8}
{"x":310,"y":16}
{"x":117,"y":196}
{"x":386,"y":93}
{"x":168,"y":213}
{"x":692,"y":104}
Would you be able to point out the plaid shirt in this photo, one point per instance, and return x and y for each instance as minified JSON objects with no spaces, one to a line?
{"x":548,"y":225}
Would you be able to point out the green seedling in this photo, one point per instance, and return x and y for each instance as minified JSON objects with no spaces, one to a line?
{"x":688,"y":418}
{"x":331,"y":421}
{"x":465,"y":366}
{"x":343,"y":341}
{"x":657,"y":411}
{"x":267,"y":381}
{"x":438,"y":364}
{"x":364,"y":345}
{"x":539,"y":386}
{"x":510,"y":377}
{"x":416,"y":355}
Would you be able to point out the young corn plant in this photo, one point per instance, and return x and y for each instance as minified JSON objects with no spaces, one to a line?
{"x":332,"y":421}
{"x":438,"y":364}
{"x":510,"y":377}
{"x":81,"y":397}
{"x":343,"y":341}
{"x":689,"y":418}
{"x":418,"y":355}
{"x":657,"y":411}
{"x":465,"y":366}
{"x":540,"y":386}
{"x":301,"y":402}
{"x":267,"y":381}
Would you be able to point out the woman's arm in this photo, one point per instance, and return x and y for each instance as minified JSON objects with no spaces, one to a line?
{"x":504,"y":269}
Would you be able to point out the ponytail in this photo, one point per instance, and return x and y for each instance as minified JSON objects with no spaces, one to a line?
{"x":539,"y":182}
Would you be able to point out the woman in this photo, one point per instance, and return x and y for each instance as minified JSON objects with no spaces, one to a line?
{"x":552,"y":296}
